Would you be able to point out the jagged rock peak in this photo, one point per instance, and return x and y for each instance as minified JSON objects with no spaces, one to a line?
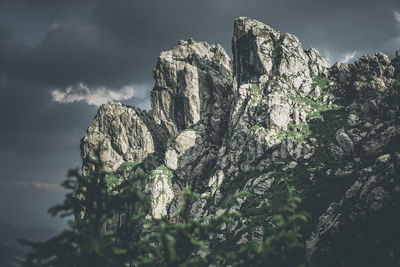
{"x":123,"y":134}
{"x":192,"y":52}
{"x":277,"y":75}
{"x":185,"y":79}
{"x":192,"y":83}
{"x":373,"y":72}
{"x":261,"y":54}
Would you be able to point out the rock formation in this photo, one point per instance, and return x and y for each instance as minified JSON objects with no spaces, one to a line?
{"x":275,"y":111}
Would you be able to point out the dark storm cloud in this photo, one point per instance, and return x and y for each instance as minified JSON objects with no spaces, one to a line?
{"x":66,"y":55}
{"x":117,"y":42}
{"x":335,"y":26}
{"x":69,"y":55}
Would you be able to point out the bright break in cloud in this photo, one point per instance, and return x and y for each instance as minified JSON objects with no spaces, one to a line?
{"x":91,"y":96}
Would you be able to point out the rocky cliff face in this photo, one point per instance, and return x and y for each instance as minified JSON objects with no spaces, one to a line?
{"x":274,"y":113}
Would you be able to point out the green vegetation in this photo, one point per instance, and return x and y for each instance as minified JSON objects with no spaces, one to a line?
{"x":312,"y":62}
{"x":164,"y":171}
{"x":121,"y":174}
{"x":314,"y":179}
{"x":268,"y":41}
{"x":396,"y":83}
{"x":311,"y":177}
{"x":95,"y":239}
{"x":283,"y":242}
{"x":321,"y":81}
{"x":216,"y":60}
{"x":254,"y":128}
{"x":256,"y":89}
{"x":318,"y":106}
{"x":297,"y":132}
{"x":193,"y":126}
{"x":183,"y":59}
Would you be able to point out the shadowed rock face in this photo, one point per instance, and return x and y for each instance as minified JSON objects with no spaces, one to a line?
{"x":191,"y":83}
{"x":262,"y":54}
{"x":275,"y":111}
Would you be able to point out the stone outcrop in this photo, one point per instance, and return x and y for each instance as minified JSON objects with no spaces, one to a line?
{"x":369,"y":140}
{"x":276,"y":112}
{"x":191,"y":84}
{"x":122,"y":134}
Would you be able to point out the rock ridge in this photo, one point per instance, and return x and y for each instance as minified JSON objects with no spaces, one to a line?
{"x":274,"y":112}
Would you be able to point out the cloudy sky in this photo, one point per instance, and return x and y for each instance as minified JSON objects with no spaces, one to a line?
{"x":60,"y":59}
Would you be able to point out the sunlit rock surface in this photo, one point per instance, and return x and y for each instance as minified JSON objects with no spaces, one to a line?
{"x":275,"y":112}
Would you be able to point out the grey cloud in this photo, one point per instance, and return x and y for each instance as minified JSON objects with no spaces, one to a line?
{"x":339,"y":26}
{"x":71,"y":55}
{"x":397,"y":16}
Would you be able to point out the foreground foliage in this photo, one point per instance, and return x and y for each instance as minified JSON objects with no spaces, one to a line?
{"x":144,"y":241}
